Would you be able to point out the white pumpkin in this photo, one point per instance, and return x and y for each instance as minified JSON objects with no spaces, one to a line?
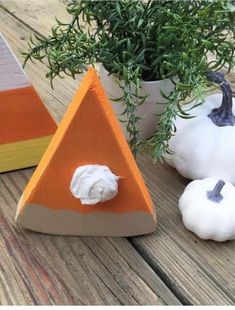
{"x":208,"y":209}
{"x":204,"y":146}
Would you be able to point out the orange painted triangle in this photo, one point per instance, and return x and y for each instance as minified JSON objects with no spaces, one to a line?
{"x":88,"y":134}
{"x":26,"y":125}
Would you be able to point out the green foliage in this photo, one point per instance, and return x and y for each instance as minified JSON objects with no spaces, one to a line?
{"x":144,"y":40}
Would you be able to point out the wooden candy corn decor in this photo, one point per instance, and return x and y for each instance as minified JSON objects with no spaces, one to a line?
{"x":26,"y":126}
{"x":87,"y":182}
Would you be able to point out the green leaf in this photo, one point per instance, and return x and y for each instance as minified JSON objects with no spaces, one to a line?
{"x":143,"y":40}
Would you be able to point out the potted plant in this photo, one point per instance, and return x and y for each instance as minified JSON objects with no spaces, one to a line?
{"x":139,"y":43}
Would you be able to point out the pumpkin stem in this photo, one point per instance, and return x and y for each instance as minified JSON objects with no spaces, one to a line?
{"x":215,"y":194}
{"x":222,"y":116}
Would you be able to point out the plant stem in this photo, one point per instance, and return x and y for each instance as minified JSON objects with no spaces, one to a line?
{"x":222,"y":116}
{"x":215,"y":194}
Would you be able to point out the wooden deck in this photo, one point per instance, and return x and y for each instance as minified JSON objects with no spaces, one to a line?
{"x":171,"y":266}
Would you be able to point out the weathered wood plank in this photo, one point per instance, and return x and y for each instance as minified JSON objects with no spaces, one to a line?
{"x":196,"y":270}
{"x":38,"y":15}
{"x":70,"y":270}
{"x":41,"y":269}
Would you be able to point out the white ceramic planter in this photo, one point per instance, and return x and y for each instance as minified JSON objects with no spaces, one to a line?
{"x":154,"y":103}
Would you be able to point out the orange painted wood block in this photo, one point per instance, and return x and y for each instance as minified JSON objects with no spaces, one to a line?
{"x":26,"y":125}
{"x":89,"y":134}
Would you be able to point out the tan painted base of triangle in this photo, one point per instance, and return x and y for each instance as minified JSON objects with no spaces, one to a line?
{"x":73,"y":223}
{"x":22,"y":154}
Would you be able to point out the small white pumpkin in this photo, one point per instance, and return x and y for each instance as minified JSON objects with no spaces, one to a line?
{"x":208,"y":209}
{"x":204,"y":146}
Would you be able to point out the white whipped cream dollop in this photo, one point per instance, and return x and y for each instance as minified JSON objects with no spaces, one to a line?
{"x":93,"y":184}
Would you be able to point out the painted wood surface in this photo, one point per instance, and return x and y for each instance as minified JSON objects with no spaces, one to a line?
{"x":76,"y":142}
{"x":26,"y":126}
{"x":11,"y":73}
{"x":141,"y":270}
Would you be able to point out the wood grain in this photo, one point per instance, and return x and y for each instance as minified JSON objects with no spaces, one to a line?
{"x":41,"y":269}
{"x":69,"y":270}
{"x":39,"y":16}
{"x":198,"y":272}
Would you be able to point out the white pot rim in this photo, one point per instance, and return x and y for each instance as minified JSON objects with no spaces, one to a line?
{"x":142,"y":82}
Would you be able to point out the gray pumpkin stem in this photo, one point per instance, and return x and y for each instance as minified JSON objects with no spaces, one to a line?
{"x":222,"y":116}
{"x":215,"y":194}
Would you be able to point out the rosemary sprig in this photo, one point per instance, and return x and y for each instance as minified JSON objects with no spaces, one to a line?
{"x":146,"y":40}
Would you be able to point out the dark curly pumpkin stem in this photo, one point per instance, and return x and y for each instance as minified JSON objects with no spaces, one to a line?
{"x":222,"y":116}
{"x":215,"y":194}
